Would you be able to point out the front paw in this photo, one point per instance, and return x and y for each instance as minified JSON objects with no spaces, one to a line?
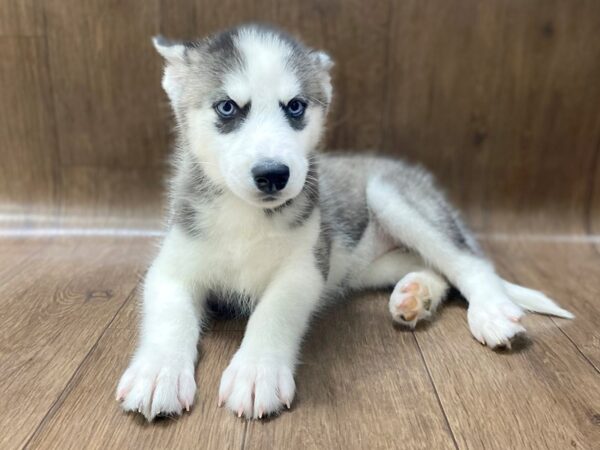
{"x":256,"y":386}
{"x":157,"y":385}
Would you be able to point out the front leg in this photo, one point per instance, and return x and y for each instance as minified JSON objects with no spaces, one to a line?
{"x":160,"y":378}
{"x":260,"y":378}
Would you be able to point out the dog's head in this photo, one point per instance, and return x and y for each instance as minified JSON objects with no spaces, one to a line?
{"x":250,"y":104}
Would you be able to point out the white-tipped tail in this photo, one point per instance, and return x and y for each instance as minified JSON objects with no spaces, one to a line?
{"x":535,"y":301}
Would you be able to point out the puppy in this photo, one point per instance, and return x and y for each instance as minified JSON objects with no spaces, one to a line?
{"x":262,"y":221}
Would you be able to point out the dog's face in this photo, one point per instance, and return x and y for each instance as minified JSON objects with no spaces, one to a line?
{"x":251,"y":104}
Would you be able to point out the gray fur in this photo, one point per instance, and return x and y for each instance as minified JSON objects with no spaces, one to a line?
{"x":322,"y":252}
{"x":309,"y":197}
{"x":191,"y":192}
{"x":344,"y":210}
{"x":343,"y":196}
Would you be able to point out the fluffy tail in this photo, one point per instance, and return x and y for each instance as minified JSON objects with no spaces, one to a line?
{"x":535,"y":301}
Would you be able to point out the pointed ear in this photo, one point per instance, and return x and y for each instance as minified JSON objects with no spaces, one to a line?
{"x":175,"y":69}
{"x":324,"y":63}
{"x":322,"y":60}
{"x":172,"y":51}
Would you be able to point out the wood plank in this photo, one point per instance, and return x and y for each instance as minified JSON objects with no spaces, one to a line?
{"x":362,"y":384}
{"x":115,"y":197}
{"x":52,"y":314}
{"x":500,"y":100}
{"x":545,"y":394}
{"x":89,"y":399}
{"x":27,"y":140}
{"x":21,"y":18}
{"x":15,"y":254}
{"x":106,"y":82}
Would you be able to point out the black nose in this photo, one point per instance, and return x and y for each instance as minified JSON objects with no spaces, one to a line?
{"x":270,"y":176}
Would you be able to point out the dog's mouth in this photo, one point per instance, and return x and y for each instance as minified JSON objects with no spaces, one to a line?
{"x":270,"y":198}
{"x":273,"y":202}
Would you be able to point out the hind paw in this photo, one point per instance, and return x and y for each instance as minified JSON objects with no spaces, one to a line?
{"x":495,"y":323}
{"x":416,"y":297}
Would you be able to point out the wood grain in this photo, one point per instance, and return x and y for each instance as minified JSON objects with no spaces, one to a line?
{"x":27,"y":140}
{"x":21,"y":18}
{"x":126,"y":198}
{"x":106,"y":82}
{"x":499,"y":99}
{"x":52,"y":312}
{"x":486,"y":97}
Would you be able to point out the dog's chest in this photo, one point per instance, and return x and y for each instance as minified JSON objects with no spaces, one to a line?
{"x":243,"y":248}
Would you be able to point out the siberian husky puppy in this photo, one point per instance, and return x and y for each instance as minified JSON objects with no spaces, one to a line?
{"x":259,"y":219}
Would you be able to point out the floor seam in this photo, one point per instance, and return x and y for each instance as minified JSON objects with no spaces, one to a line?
{"x":437,"y":395}
{"x":576,"y":346}
{"x":70,"y":383}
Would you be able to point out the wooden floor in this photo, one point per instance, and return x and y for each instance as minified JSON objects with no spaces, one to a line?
{"x":68,"y":323}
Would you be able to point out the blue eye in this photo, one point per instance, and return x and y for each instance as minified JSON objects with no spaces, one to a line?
{"x":226,"y":109}
{"x":295,"y":108}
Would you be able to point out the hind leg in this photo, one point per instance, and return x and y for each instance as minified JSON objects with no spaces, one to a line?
{"x":418,"y":293}
{"x":493,"y":317}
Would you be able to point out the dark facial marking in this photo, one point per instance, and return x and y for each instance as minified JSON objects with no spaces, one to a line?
{"x":294,"y":113}
{"x":228,"y":124}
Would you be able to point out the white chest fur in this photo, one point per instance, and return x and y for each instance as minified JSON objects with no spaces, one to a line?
{"x":240,"y":248}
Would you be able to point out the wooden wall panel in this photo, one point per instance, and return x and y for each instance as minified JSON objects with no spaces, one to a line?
{"x":112,"y":198}
{"x":106,"y":76}
{"x":21,"y":18}
{"x":28,"y":156}
{"x":501,"y":99}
